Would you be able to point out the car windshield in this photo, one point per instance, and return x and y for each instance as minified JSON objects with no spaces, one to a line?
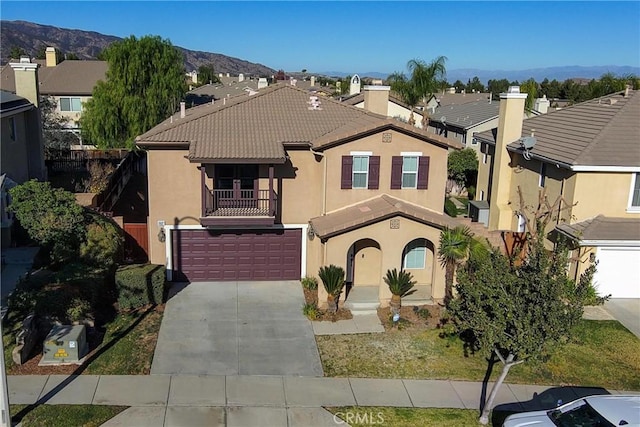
{"x":581,"y":416}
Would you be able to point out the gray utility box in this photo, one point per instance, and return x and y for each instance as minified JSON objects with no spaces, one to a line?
{"x":65,"y":344}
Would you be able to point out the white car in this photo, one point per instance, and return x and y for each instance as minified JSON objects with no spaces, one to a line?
{"x":591,"y":411}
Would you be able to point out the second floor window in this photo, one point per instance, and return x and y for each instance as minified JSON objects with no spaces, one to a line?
{"x":409,"y":171}
{"x":70,"y":104}
{"x":360,"y":170}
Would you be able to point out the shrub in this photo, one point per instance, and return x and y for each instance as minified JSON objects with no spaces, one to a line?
{"x":449,"y":208}
{"x":103,"y":244}
{"x":471,"y":192}
{"x":99,"y":175}
{"x":333,"y":280}
{"x":140,"y":285}
{"x":79,"y":309}
{"x":311,"y":311}
{"x":310,"y":283}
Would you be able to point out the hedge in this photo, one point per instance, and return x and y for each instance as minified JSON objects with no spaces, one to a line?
{"x":450,"y":208}
{"x":139,"y":285}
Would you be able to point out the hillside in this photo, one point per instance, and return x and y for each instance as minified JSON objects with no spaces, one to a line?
{"x":87,"y":44}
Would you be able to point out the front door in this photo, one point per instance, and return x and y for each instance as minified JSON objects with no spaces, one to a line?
{"x":238,"y":185}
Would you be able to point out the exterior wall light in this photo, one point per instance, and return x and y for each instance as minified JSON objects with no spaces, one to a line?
{"x":161,"y":235}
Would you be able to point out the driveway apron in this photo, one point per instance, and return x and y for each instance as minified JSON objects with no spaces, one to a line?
{"x":236,"y":328}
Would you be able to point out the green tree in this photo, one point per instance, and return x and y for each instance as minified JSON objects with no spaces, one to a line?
{"x":55,"y":133}
{"x":475,"y":85}
{"x":407,"y":92}
{"x":71,"y":56}
{"x":16,"y":52}
{"x":144,"y":85}
{"x":530,"y":87}
{"x":518,"y":311}
{"x":496,"y":87}
{"x":51,"y":217}
{"x":332,"y":278}
{"x":456,"y":244}
{"x":426,"y":78}
{"x":207,"y":74}
{"x":462,"y":167}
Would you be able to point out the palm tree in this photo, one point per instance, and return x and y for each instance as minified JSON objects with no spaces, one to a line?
{"x":333,"y":280}
{"x":407,"y":92}
{"x":454,"y":247}
{"x":425,"y":78}
{"x":400,"y":284}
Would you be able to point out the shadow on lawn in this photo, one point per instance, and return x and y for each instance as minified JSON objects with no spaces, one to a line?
{"x":117,"y":337}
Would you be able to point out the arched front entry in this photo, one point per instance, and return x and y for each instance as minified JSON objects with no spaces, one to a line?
{"x":364,"y":263}
{"x":418,"y":258}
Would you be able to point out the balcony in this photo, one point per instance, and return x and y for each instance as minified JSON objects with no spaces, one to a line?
{"x":238,"y":207}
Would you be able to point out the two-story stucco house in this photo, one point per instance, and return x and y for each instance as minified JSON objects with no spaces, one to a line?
{"x":589,"y":155}
{"x":275,"y":185}
{"x":69,"y":83}
{"x":21,"y":154}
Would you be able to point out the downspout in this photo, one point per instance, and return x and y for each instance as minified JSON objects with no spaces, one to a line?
{"x":324,"y":179}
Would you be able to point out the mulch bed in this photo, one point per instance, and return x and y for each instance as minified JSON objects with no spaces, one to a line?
{"x":412,"y":317}
{"x":311,"y":297}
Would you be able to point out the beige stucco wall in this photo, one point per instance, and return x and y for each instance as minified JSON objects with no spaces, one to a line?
{"x":484,"y":171}
{"x":392,"y":243}
{"x":174,"y":195}
{"x":14,"y":156}
{"x":71,"y":116}
{"x":605,"y":193}
{"x":301,"y":188}
{"x":432,"y":198}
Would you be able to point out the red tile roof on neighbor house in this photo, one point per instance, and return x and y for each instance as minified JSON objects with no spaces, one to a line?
{"x":600,"y":132}
{"x":374,"y":210}
{"x":258,"y":127}
{"x":69,"y":77}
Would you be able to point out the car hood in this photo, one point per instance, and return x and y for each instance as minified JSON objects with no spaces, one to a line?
{"x":537,"y":419}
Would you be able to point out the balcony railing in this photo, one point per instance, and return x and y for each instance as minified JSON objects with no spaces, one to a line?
{"x":239,"y":203}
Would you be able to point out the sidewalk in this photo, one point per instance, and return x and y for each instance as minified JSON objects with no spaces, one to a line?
{"x":167,"y":400}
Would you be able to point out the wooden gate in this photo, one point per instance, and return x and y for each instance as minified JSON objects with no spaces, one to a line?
{"x":136,"y":242}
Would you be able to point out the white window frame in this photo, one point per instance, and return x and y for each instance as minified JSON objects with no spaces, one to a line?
{"x":418,"y":244}
{"x":406,"y":154}
{"x":481,"y":195}
{"x":361,"y":154}
{"x":70,"y":98}
{"x":635,"y":180}
{"x":542,"y":176}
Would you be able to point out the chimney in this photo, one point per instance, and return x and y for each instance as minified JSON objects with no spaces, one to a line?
{"x":182,"y":110}
{"x":509,"y":130}
{"x":542,"y":105}
{"x":52,"y":59}
{"x":313,"y":81}
{"x":26,"y":76}
{"x":227,"y":74}
{"x":627,"y":88}
{"x":376,"y":99}
{"x":355,"y":85}
{"x":262,"y":82}
{"x":240,"y":77}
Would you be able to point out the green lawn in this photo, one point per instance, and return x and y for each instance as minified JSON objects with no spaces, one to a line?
{"x":602,"y":353}
{"x":406,"y":417}
{"x":63,"y":415}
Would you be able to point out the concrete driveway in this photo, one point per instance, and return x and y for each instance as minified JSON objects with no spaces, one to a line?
{"x":625,"y":311}
{"x":236,"y":328}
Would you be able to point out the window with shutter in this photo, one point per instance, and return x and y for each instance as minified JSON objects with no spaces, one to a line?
{"x":374,"y":172}
{"x":396,"y":172}
{"x":423,"y":172}
{"x":347,"y":165}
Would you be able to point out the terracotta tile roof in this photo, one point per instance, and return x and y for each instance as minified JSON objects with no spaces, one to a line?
{"x":70,"y":77}
{"x":602,"y":228}
{"x":600,"y":132}
{"x":256,"y":127}
{"x":375,"y":210}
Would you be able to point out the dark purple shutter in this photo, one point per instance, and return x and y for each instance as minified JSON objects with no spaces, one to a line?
{"x":374,"y":172}
{"x":347,"y":168}
{"x":423,"y":173}
{"x":396,"y":172}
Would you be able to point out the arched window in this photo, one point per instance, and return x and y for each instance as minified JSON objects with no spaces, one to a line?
{"x":415,"y":254}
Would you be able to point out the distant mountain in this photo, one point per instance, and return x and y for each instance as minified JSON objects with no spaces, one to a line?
{"x":87,"y":44}
{"x":539,"y":74}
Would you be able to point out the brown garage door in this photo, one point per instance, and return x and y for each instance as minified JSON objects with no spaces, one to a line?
{"x":200,"y":255}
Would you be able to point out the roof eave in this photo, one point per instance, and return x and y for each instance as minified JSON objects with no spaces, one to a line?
{"x":253,"y":161}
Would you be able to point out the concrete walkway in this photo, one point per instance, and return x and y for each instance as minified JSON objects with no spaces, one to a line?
{"x":192,"y":400}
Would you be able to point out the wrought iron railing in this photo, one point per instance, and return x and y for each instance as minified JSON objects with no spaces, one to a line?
{"x":239,"y":202}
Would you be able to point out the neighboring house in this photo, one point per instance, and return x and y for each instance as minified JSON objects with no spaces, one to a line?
{"x":21,"y":153}
{"x":70,"y":83}
{"x":588,"y":154}
{"x":275,"y":185}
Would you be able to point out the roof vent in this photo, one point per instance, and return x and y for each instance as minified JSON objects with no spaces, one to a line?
{"x":513,"y":89}
{"x":314,"y":103}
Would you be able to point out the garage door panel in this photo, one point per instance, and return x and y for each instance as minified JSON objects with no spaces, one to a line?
{"x":618,"y":272}
{"x":237,"y":255}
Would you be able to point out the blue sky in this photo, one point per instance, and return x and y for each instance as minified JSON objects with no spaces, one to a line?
{"x":366,"y":36}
